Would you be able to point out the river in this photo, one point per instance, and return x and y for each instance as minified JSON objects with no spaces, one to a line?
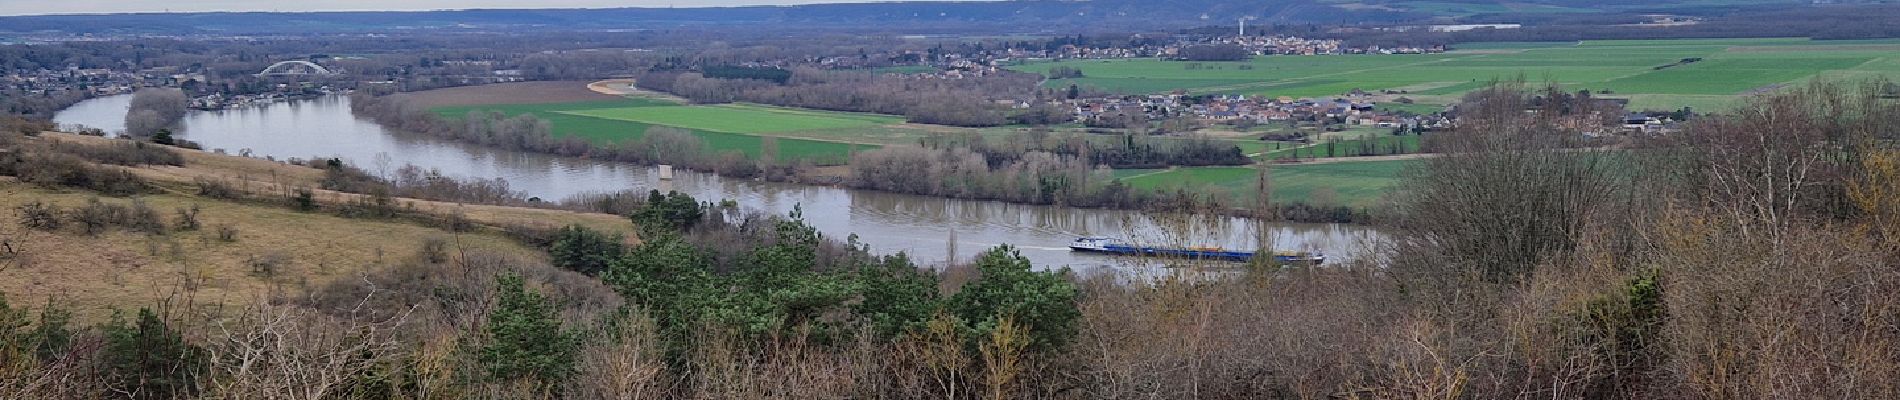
{"x":932,"y":230}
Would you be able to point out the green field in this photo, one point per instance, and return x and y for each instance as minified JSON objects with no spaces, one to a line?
{"x":725,"y":128}
{"x":1345,"y":147}
{"x":1729,"y":69}
{"x":738,"y":118}
{"x":1353,"y":183}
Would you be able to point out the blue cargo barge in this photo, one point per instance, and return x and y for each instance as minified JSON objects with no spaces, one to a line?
{"x":1111,"y":246}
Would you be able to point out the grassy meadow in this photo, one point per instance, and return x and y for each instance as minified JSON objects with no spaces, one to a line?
{"x":1625,"y":68}
{"x":727,"y":127}
{"x":828,"y":138}
{"x":273,"y":250}
{"x":738,"y":118}
{"x":1353,"y":183}
{"x":1344,"y":147}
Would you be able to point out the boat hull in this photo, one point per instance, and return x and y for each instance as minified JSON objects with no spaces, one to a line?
{"x":1195,"y":254}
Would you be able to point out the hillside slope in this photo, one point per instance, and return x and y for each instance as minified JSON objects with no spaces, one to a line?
{"x":242,"y":250}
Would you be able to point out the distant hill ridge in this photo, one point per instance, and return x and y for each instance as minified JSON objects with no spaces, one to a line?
{"x":919,"y":16}
{"x":923,"y":16}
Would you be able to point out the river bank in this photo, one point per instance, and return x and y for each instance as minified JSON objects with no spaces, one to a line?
{"x":932,"y":230}
{"x":567,"y":120}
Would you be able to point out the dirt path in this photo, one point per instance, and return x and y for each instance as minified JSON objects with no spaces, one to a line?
{"x":616,"y":87}
{"x":624,"y":87}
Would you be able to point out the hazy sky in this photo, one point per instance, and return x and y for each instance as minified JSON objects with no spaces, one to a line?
{"x":29,"y":7}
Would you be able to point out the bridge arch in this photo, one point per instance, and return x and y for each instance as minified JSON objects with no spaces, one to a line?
{"x":295,"y":67}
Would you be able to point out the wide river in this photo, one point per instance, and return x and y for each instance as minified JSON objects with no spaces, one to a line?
{"x":922,"y":226}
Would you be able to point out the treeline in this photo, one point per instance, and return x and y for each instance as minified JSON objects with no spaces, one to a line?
{"x":774,"y":75}
{"x":1040,"y":167}
{"x":960,"y":102}
{"x":1034,"y":177}
{"x":26,"y":106}
{"x":410,"y":181}
{"x":522,"y":132}
{"x":1123,"y":151}
{"x":154,"y":110}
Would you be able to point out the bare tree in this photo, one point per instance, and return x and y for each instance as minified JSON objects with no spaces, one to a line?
{"x":1517,"y":186}
{"x":154,"y":109}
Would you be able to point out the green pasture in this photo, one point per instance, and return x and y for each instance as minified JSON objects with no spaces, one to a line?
{"x":1354,"y":183}
{"x":574,"y":120}
{"x":738,"y":118}
{"x":1728,"y":69}
{"x":1353,"y":146}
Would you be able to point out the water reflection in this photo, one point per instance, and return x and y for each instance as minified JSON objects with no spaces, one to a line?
{"x":921,"y":226}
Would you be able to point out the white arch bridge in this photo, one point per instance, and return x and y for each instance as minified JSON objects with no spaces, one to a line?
{"x":295,"y":68}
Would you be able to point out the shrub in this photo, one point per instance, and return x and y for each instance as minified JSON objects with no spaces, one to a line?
{"x":671,"y":211}
{"x":47,"y":338}
{"x":150,"y":359}
{"x":583,"y":250}
{"x":127,"y":153}
{"x":267,"y":264}
{"x":188,"y":218}
{"x":216,"y":188}
{"x":526,"y":341}
{"x":1008,"y":289}
{"x":303,"y":199}
{"x":41,"y":216}
{"x":227,"y":233}
{"x":60,"y":169}
{"x":96,"y":216}
{"x":617,"y":203}
{"x":435,"y":250}
{"x":376,"y":204}
{"x":143,"y":218}
{"x":163,"y":136}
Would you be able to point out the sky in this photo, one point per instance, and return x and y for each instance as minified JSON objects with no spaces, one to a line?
{"x":34,"y":7}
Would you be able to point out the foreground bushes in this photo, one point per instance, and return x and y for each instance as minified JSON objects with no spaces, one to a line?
{"x":55,"y":164}
{"x":1655,"y":288}
{"x":62,"y":170}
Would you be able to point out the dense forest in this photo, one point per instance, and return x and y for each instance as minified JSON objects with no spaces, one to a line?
{"x":1122,"y":151}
